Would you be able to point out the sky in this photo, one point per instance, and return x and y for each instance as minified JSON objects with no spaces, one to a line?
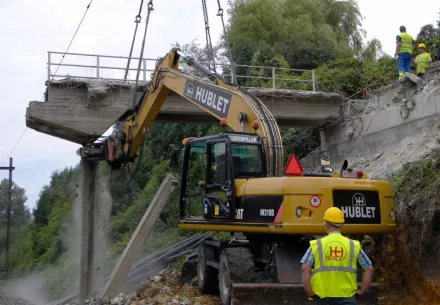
{"x":29,"y":29}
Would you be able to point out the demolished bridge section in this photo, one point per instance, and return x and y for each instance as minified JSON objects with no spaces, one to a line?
{"x":81,"y":110}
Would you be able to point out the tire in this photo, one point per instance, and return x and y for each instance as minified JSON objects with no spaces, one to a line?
{"x":236,"y":266}
{"x":207,"y":276}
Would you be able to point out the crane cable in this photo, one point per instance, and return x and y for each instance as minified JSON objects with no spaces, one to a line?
{"x":147,"y":21}
{"x":228,"y":47}
{"x":137,"y":21}
{"x":150,"y":8}
{"x":208,"y":36}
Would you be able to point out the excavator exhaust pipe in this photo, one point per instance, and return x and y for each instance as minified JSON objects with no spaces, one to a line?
{"x":286,"y":294}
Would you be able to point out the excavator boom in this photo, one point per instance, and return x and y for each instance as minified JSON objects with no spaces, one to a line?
{"x":242,"y":110}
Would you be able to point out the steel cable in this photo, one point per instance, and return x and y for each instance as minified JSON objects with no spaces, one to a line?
{"x":137,"y":21}
{"x":71,"y":41}
{"x":208,"y":36}
{"x":228,"y":47}
{"x":150,"y":8}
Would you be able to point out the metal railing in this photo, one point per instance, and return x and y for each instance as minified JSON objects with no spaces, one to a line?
{"x":113,"y":68}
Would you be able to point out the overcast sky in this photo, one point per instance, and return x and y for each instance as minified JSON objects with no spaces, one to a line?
{"x":28,"y":29}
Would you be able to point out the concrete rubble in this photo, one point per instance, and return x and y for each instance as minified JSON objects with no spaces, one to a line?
{"x":398,"y":123}
{"x":11,"y":300}
{"x":163,"y":288}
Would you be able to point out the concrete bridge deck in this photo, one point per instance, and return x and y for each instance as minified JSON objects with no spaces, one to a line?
{"x":81,"y":110}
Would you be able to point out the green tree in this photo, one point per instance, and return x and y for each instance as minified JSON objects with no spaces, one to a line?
{"x":20,"y":214}
{"x":61,"y":185}
{"x":372,"y":51}
{"x":306,"y":33}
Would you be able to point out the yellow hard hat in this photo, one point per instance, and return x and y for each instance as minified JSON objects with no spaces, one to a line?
{"x":334,"y":215}
{"x":421,"y":45}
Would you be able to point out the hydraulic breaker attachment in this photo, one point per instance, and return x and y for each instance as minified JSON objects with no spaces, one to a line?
{"x":287,"y":294}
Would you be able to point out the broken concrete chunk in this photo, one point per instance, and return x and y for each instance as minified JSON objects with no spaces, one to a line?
{"x":96,"y":91}
{"x":157,"y":278}
{"x":414,"y":78}
{"x":410,"y":105}
{"x":349,"y":131}
{"x":377,"y":156}
{"x":117,"y":300}
{"x":404,"y":112}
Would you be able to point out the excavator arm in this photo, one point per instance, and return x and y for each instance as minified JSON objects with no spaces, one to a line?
{"x":241,"y":110}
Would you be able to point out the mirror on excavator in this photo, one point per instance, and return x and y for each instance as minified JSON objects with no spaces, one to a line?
{"x":326,"y":161}
{"x":174,"y":159}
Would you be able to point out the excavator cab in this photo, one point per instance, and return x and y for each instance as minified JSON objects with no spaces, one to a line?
{"x":210,"y":167}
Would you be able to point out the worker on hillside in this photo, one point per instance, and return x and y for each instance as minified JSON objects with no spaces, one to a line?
{"x":423,"y":60}
{"x":329,"y":266}
{"x":404,"y":50}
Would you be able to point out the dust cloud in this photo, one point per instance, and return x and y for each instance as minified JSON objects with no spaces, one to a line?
{"x":62,"y":280}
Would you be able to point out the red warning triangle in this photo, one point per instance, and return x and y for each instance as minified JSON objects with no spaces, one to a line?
{"x":293,"y":167}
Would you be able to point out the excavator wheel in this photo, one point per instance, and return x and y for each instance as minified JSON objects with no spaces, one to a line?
{"x":236,"y":266}
{"x":207,"y":276}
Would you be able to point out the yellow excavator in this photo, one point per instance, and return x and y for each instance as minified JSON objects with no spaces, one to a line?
{"x":236,"y":182}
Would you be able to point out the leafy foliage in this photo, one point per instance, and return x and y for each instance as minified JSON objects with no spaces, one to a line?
{"x":350,"y":76}
{"x":19,"y":213}
{"x":306,"y":33}
{"x":19,"y":219}
{"x":430,"y":36}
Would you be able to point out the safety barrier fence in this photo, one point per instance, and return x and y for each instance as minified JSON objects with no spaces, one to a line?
{"x":114,"y":68}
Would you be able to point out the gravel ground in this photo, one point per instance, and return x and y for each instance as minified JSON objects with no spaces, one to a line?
{"x":7,"y":300}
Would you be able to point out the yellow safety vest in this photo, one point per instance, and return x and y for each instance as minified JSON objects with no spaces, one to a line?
{"x":334,"y":273}
{"x":422,"y":62}
{"x":406,"y":43}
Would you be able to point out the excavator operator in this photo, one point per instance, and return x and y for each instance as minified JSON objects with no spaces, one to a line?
{"x":329,"y":266}
{"x":213,"y":170}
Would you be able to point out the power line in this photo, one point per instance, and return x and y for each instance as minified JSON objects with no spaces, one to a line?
{"x":71,"y":41}
{"x":15,"y":146}
{"x":67,"y":50}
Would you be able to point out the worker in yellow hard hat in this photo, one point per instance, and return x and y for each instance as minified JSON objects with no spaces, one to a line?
{"x":423,"y":60}
{"x":329,"y":266}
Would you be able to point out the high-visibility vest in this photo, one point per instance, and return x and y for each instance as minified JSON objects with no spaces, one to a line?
{"x":334,"y":273}
{"x":406,"y":43}
{"x":422,"y":62}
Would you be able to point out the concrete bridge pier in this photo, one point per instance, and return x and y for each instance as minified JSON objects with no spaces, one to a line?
{"x":87,"y":189}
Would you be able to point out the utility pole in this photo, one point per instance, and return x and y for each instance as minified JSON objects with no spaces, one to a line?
{"x":10,"y":168}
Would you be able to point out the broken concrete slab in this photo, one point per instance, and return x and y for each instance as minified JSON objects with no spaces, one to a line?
{"x":81,"y":110}
{"x":386,"y":120}
{"x":414,"y":78}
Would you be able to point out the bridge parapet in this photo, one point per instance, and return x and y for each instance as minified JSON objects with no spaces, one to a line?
{"x":121,"y":68}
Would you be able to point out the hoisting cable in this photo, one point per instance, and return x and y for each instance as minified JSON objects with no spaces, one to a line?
{"x":150,"y":8}
{"x":137,"y":21}
{"x":228,"y":47}
{"x":208,"y":37}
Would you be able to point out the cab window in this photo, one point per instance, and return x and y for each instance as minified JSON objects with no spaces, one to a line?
{"x":247,"y":160}
{"x":218,"y":163}
{"x":195,"y":176}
